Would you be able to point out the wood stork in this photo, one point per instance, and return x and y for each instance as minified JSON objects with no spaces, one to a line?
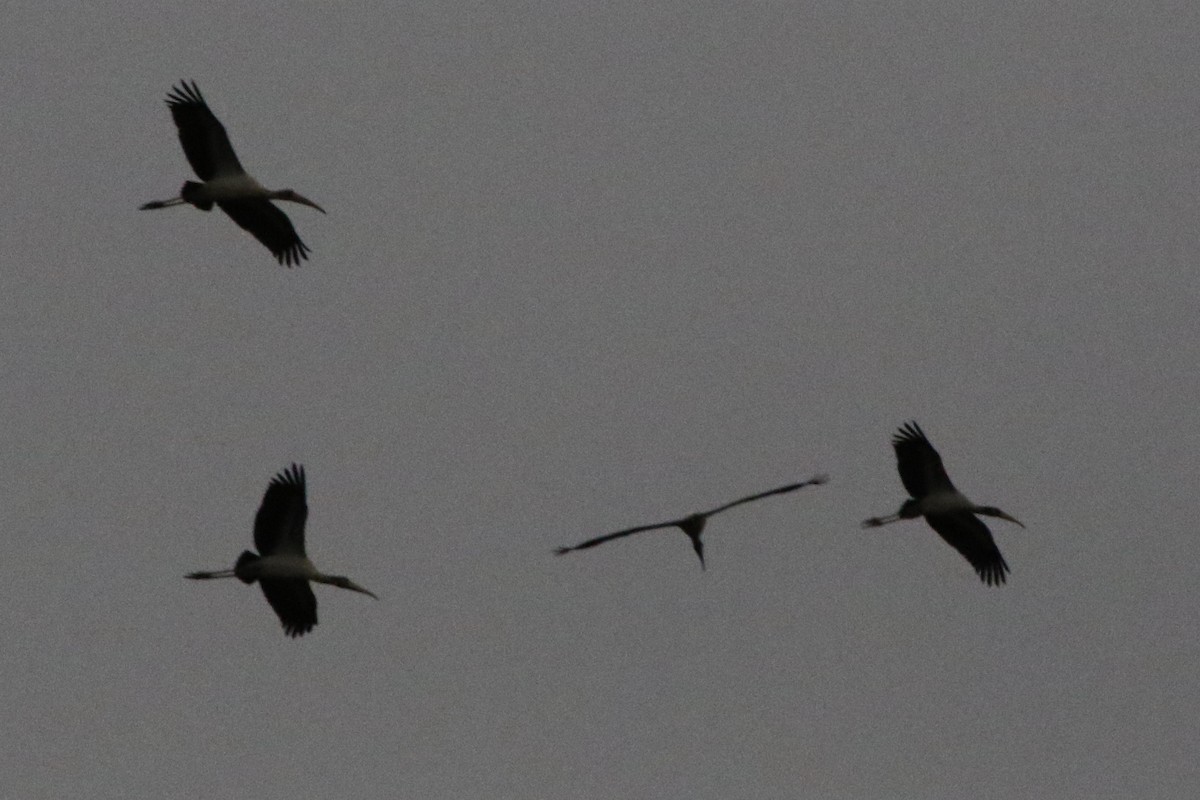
{"x":281,"y":567}
{"x":693,"y":524}
{"x":225,"y":183}
{"x":945,"y":508}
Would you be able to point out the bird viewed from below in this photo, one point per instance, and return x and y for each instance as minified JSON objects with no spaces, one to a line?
{"x":693,"y":524}
{"x":280,"y":566}
{"x":945,"y":508}
{"x":245,"y":200}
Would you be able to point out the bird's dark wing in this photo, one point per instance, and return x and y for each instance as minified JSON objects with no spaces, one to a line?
{"x":279,"y":524}
{"x":294,"y":603}
{"x":608,"y":537}
{"x":967,"y":534}
{"x":920,"y":466}
{"x":269,"y":225}
{"x":791,"y":487}
{"x":202,"y":135}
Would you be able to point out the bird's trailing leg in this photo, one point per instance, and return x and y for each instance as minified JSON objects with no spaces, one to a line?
{"x":243,"y":570}
{"x":174,"y":201}
{"x":207,"y":576}
{"x":196,"y":194}
{"x":875,"y":522}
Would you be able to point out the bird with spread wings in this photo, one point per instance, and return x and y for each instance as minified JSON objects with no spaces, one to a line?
{"x":947,"y":510}
{"x":693,"y":524}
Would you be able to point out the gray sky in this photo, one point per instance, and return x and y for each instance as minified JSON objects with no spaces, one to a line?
{"x":586,"y":266}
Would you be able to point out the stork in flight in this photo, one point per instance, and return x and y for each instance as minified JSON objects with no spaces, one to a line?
{"x":225,"y":183}
{"x":281,"y":567}
{"x":945,"y":508}
{"x":693,"y":524}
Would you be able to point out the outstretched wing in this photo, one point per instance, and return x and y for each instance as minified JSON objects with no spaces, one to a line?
{"x":279,"y":524}
{"x":269,"y":225}
{"x":920,"y":466}
{"x":608,"y":537}
{"x":967,"y":534}
{"x":791,"y":487}
{"x":202,"y":135}
{"x":294,"y":603}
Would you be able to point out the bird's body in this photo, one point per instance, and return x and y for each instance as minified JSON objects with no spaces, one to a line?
{"x":947,"y":510}
{"x":225,"y":183}
{"x":693,"y":524}
{"x":280,"y":566}
{"x":235,"y":186}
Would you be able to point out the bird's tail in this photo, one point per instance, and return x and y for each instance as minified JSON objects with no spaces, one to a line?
{"x":245,"y":558}
{"x":193,"y":193}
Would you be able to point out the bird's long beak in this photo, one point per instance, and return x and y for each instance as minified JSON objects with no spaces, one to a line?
{"x":354,"y":587}
{"x":1002,"y":515}
{"x":310,"y":203}
{"x":302,"y":200}
{"x":995,"y":512}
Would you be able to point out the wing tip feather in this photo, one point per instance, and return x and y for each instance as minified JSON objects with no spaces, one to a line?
{"x":910,"y":431}
{"x":292,"y":475}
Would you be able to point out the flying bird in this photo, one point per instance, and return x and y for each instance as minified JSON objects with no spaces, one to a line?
{"x":225,"y":183}
{"x":945,"y":508}
{"x":280,"y":566}
{"x":693,"y":524}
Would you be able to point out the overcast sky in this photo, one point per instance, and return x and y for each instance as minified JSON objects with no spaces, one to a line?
{"x":589,"y":265}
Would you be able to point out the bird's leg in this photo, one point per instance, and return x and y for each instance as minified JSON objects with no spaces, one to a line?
{"x":174,"y":201}
{"x":875,"y":522}
{"x":205,"y":576}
